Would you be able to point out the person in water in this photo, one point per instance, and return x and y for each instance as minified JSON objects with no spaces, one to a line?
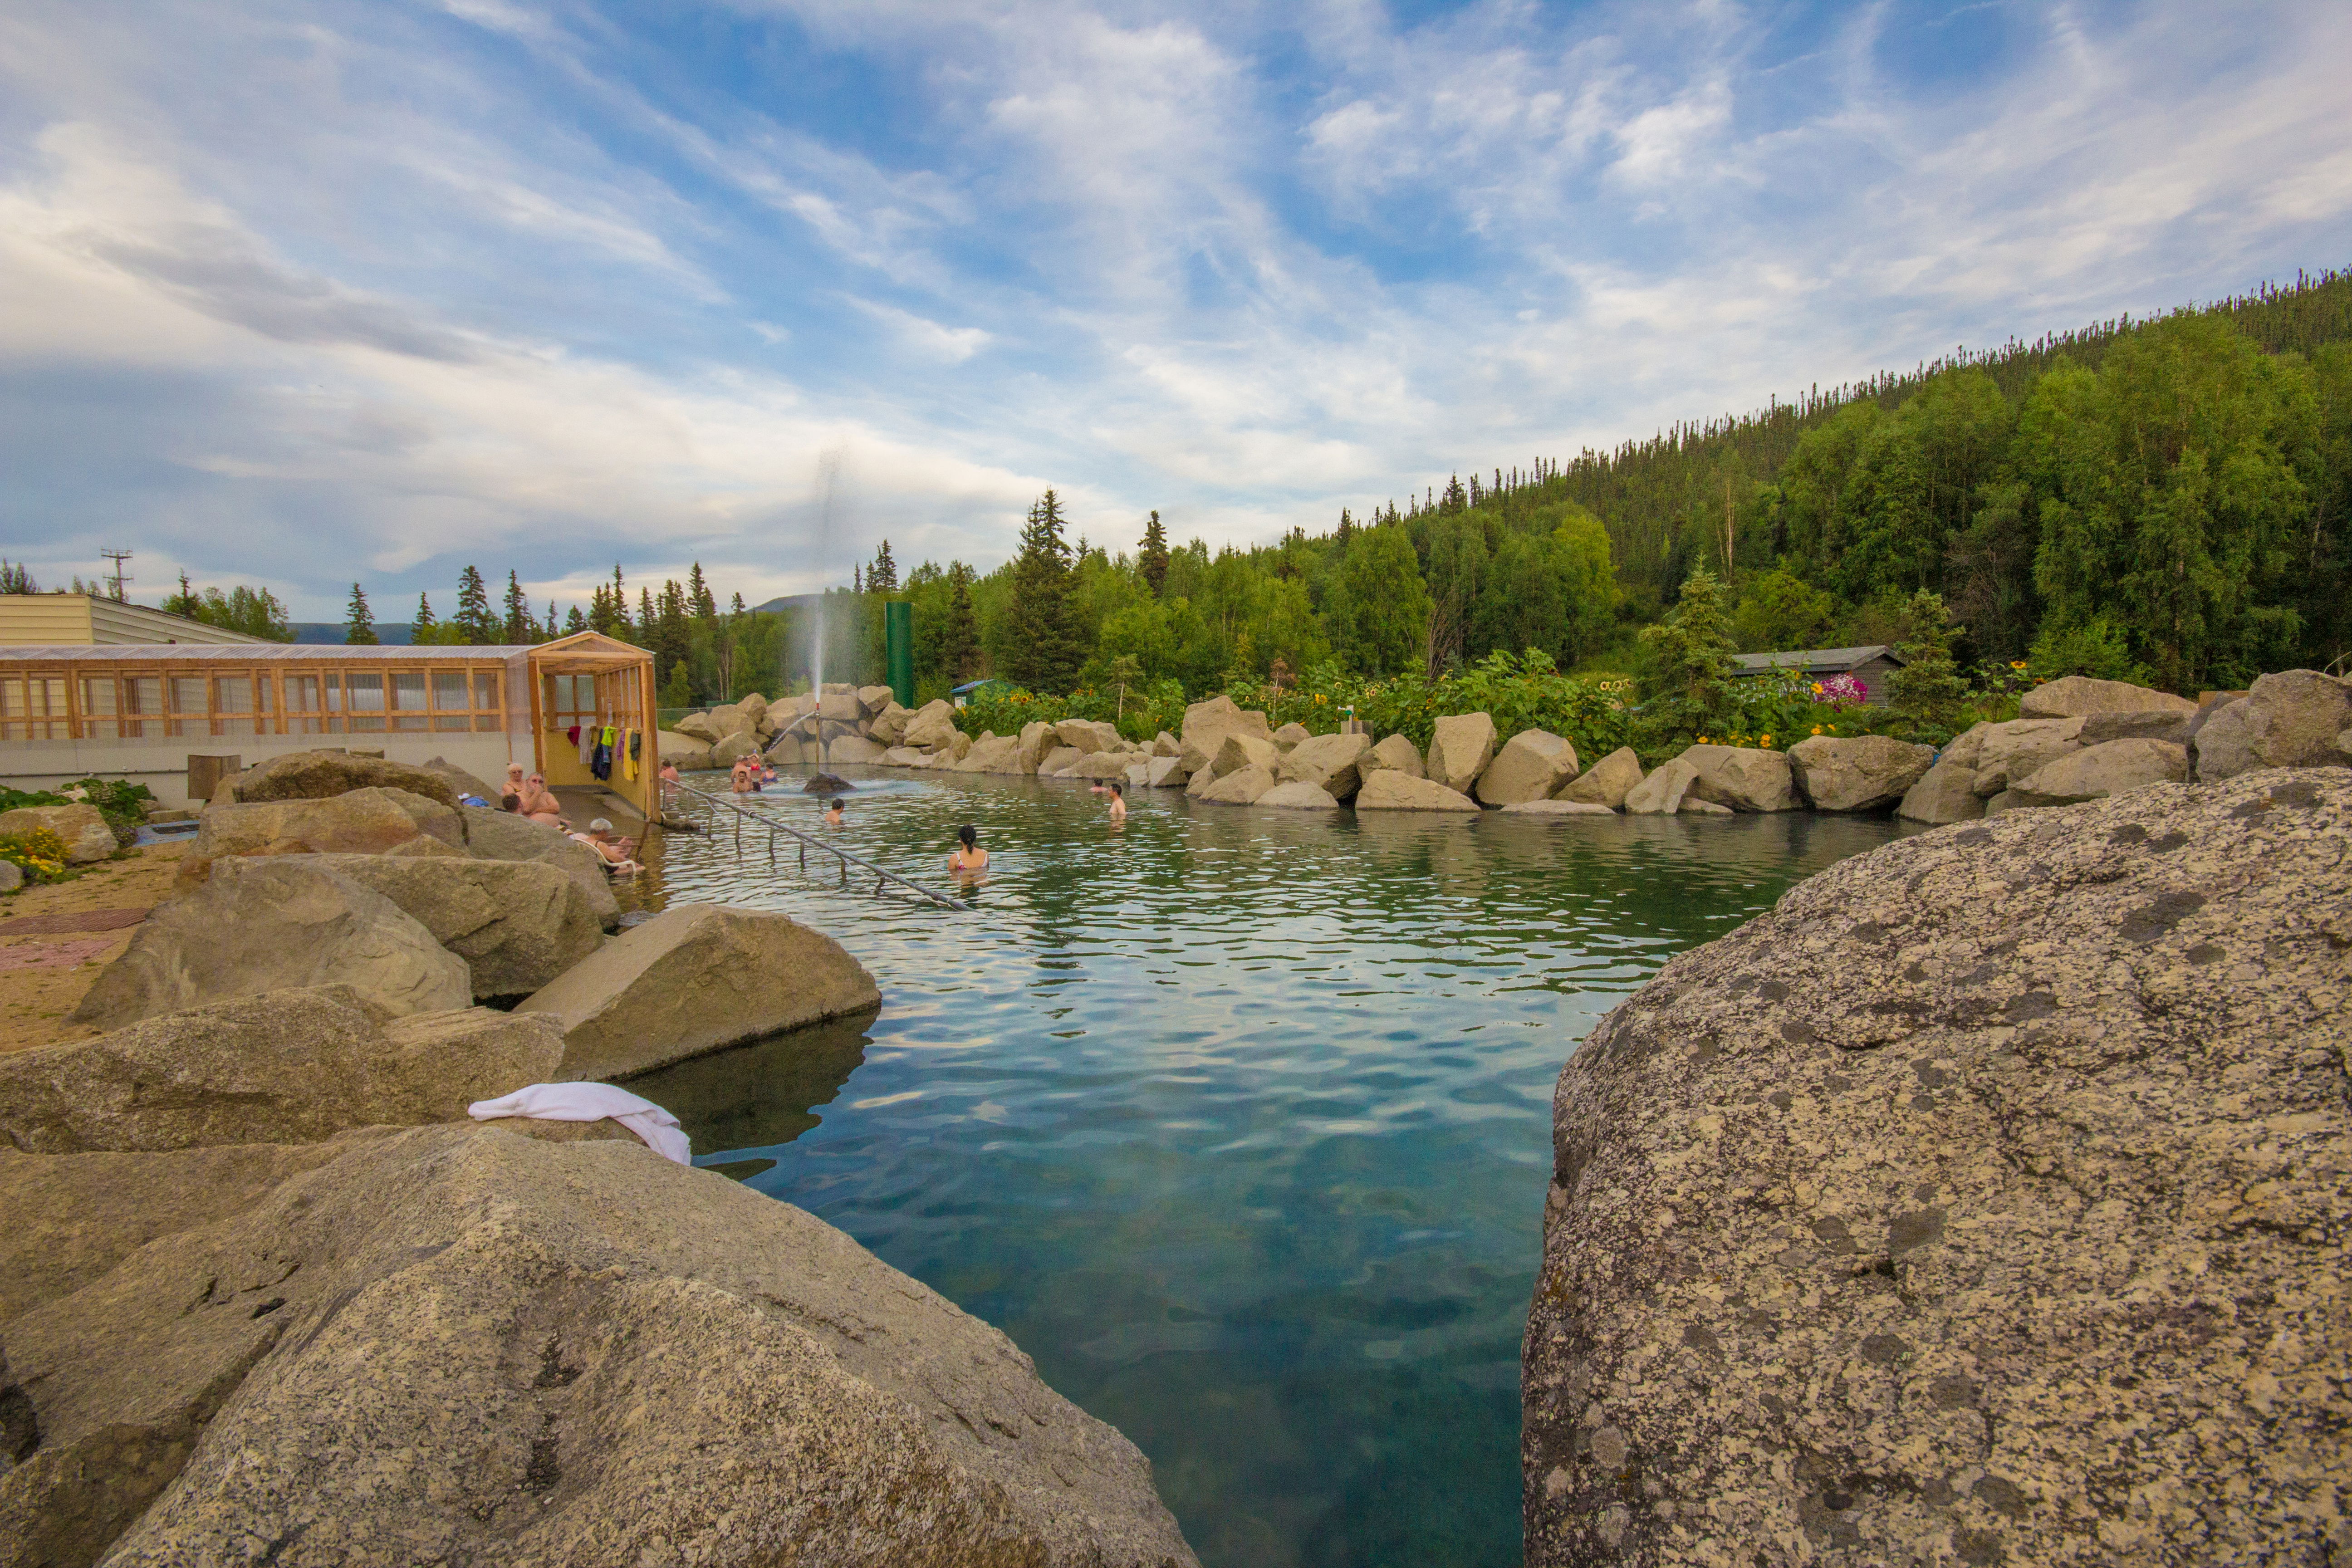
{"x":539,"y":804}
{"x":833,"y":811}
{"x":670,"y":782}
{"x":969,"y":856}
{"x":1117,"y":792}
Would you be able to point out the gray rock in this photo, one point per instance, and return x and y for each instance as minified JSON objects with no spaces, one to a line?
{"x":698,"y":978}
{"x":889,"y":726}
{"x":874,"y":699}
{"x":87,"y":837}
{"x":321,"y":776}
{"x":1165,"y":773}
{"x":1240,"y":750}
{"x":1607,"y":782}
{"x":933,"y":727}
{"x":1562,"y":809}
{"x":1945,"y":793}
{"x":1998,"y":754}
{"x":2077,"y":696}
{"x":2096,"y":772}
{"x":1392,"y":789}
{"x":993,"y":754}
{"x":1035,"y":740}
{"x":689,"y":754}
{"x":699,"y":727}
{"x":459,"y":781}
{"x":517,"y":923}
{"x":275,"y":924}
{"x":1329,"y":763}
{"x":1743,"y":778}
{"x":1860,"y":773}
{"x":286,"y":1067}
{"x":1394,"y":753}
{"x":368,"y":820}
{"x":12,"y":877}
{"x":457,"y":1345}
{"x":1100,"y":765}
{"x":1291,"y":734}
{"x":1298,"y":795}
{"x":1208,"y":723}
{"x":1661,"y":793}
{"x":2286,"y":721}
{"x":1083,"y":736}
{"x":1460,"y":747}
{"x":1692,"y":805}
{"x":503,"y":836}
{"x":1533,"y":764}
{"x":1243,"y":786}
{"x":2155,"y":724}
{"x":734,"y":748}
{"x":855,"y":749}
{"x":1990,"y":1175}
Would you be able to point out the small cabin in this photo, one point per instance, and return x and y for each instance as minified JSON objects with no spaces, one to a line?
{"x":1874,"y":665}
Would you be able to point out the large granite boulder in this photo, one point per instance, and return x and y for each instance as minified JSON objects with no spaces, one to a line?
{"x":843,"y":708}
{"x":1099,"y":765}
{"x":2076,"y":696}
{"x":889,"y":725}
{"x":2291,"y":720}
{"x":459,"y":781}
{"x":697,"y":978}
{"x":503,"y":836}
{"x":1209,"y":721}
{"x":1298,"y":795}
{"x":1945,"y":793}
{"x":1860,"y":773}
{"x":1090,"y":735}
{"x":1394,"y":754}
{"x":1984,"y":1202}
{"x":1661,"y":793}
{"x":367,"y":821}
{"x":517,"y":923}
{"x":279,"y":923}
{"x":1460,"y":747}
{"x":1743,"y":778}
{"x":689,"y":754}
{"x":932,"y":728}
{"x":736,"y":746}
{"x":1290,"y":734}
{"x":993,"y":754}
{"x":87,"y":837}
{"x":286,"y":1066}
{"x":1165,"y":773}
{"x":855,"y":749}
{"x":1329,"y":763}
{"x":321,"y":776}
{"x":1243,"y":786}
{"x":1532,"y":765}
{"x":699,"y":727}
{"x":1241,"y":749}
{"x":2127,"y":724}
{"x":2096,"y":772}
{"x":2000,"y":754}
{"x":454,"y":1345}
{"x":1036,"y":738}
{"x":1394,"y":789}
{"x":1607,"y":782}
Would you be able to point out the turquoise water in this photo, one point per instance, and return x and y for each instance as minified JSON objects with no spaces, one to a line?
{"x":1238,"y":1121}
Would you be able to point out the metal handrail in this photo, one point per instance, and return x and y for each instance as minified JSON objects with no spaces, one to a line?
{"x":758,"y":819}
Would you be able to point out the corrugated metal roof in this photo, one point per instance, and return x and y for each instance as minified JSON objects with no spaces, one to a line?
{"x":249,"y":653}
{"x":1815,"y":660}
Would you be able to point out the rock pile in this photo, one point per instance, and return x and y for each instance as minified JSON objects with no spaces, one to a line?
{"x":266,"y":1293}
{"x":1986,"y":1201}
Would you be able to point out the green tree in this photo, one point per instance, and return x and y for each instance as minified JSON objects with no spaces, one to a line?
{"x":359,"y":621}
{"x":1152,"y":559}
{"x":1042,"y":648}
{"x":1378,"y":610}
{"x":882,"y":577}
{"x":1692,"y":649}
{"x":519,"y":626}
{"x":1928,"y":685}
{"x":698,"y":593}
{"x":960,"y":637}
{"x":1779,"y":611}
{"x":474,"y":621}
{"x":421,"y":629}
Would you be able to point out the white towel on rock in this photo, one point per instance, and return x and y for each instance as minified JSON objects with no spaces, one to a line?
{"x":592,"y":1102}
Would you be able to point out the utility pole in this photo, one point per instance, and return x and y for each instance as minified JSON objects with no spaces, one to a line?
{"x":116,"y":577}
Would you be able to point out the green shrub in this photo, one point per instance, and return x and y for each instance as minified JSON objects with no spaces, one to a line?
{"x":120,"y":801}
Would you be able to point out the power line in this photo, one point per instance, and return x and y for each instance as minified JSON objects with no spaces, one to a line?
{"x":117,"y":576}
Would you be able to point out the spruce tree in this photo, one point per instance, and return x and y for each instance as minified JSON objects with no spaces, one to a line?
{"x":422,"y":629}
{"x":359,"y":621}
{"x":519,"y":626}
{"x":1152,"y":560}
{"x":882,"y":577}
{"x":1347,"y":528}
{"x":1694,"y":659}
{"x":1929,"y":684}
{"x":576,"y":621}
{"x":474,"y":623}
{"x":1042,"y":650}
{"x":645,"y":619}
{"x":960,"y":642}
{"x":697,"y":590}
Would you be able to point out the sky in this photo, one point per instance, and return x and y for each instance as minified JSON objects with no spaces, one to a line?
{"x":299,"y":294}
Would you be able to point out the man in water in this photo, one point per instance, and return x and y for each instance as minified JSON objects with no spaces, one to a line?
{"x":833,"y":811}
{"x":1117,"y":792}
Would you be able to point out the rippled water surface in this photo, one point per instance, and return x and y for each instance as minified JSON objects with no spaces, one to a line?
{"x":1236,"y":1120}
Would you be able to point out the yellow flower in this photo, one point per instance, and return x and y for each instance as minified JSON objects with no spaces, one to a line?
{"x":2017,"y":664}
{"x":1819,"y":688}
{"x":1764,"y":740}
{"x":1816,"y":729}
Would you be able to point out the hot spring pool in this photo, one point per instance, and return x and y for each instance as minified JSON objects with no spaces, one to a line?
{"x":1238,"y":1121}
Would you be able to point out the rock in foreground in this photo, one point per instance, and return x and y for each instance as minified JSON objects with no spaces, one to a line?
{"x":275,"y":924}
{"x":1984,"y":1202}
{"x":694,"y":979}
{"x":459,"y":1345}
{"x":517,"y":923}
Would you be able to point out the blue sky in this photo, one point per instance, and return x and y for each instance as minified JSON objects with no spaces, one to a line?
{"x":291,"y":294}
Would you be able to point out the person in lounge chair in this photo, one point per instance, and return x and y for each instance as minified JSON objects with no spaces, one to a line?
{"x":614,"y":851}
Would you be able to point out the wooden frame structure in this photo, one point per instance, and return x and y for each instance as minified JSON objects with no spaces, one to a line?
{"x":588,"y":680}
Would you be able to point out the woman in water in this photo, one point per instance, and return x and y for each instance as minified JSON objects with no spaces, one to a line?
{"x":969,"y":857}
{"x":1118,"y":801}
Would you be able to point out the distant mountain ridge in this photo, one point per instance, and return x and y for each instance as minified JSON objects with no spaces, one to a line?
{"x":392,"y":634}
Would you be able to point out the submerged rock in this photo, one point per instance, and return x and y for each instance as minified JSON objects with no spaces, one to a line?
{"x":454,"y":1345}
{"x":698,"y":978}
{"x":1558,"y":809}
{"x":283,"y":1068}
{"x":1990,"y":1180}
{"x":827,"y":783}
{"x":276,"y":923}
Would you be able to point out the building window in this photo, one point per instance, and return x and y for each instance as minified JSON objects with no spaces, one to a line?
{"x":367,"y":702}
{"x":233,"y":705}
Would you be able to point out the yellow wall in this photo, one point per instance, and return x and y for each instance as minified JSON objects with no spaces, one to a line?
{"x":78,"y":620}
{"x":43,"y":619}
